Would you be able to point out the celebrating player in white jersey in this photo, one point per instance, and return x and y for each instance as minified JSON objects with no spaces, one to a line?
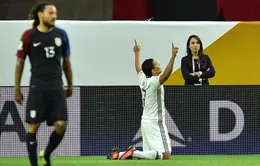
{"x":156,"y":140}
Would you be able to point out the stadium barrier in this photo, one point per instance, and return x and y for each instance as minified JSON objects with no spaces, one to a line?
{"x":200,"y":120}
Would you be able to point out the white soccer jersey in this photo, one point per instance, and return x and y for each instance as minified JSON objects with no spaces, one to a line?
{"x":152,"y":96}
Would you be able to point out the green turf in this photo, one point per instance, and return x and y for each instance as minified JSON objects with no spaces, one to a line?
{"x":187,"y":160}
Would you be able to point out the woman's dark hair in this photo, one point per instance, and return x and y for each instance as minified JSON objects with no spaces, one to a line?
{"x":202,"y":58}
{"x":39,"y":7}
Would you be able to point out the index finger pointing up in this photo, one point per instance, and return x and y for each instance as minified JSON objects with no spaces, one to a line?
{"x":135,"y":42}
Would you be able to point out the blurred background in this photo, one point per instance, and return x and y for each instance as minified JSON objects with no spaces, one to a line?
{"x":156,"y":10}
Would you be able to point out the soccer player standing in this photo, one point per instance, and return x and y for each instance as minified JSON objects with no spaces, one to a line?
{"x":46,"y":47}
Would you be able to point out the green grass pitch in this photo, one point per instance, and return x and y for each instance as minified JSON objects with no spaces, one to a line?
{"x":179,"y":160}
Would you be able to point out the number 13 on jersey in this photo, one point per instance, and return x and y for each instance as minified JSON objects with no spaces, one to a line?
{"x":49,"y":51}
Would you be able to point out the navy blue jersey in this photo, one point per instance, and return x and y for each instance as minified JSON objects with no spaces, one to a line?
{"x":45,"y":51}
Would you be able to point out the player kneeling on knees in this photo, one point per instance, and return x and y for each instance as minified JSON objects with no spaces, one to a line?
{"x":132,"y":154}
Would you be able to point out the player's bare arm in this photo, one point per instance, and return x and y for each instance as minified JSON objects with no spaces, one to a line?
{"x":18,"y":76}
{"x":137,"y":49}
{"x":68,"y":73}
{"x":168,"y":70}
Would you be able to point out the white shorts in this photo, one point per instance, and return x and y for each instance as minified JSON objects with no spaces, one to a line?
{"x":155,"y":136}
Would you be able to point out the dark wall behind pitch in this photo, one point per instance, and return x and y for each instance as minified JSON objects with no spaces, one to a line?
{"x":68,"y":9}
{"x":185,"y":10}
{"x":161,"y":10}
{"x":206,"y":10}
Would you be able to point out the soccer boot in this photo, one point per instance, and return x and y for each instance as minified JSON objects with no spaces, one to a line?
{"x":128,"y":155}
{"x":45,"y":161}
{"x":114,"y":154}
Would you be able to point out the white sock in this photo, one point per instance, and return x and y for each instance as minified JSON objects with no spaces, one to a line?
{"x":149,"y":155}
{"x":120,"y":154}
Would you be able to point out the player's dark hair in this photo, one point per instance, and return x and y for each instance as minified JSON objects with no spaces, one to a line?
{"x":202,"y":58}
{"x":38,"y":7}
{"x":147,"y":67}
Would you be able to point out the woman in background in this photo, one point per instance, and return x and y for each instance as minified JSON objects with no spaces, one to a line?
{"x":196,"y":67}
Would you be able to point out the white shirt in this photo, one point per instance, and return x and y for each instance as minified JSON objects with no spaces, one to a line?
{"x":152,"y":96}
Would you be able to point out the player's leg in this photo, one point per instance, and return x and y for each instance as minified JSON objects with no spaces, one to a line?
{"x":146,"y":146}
{"x":132,"y":153}
{"x":58,"y":117}
{"x":34,"y":115}
{"x":31,"y":143}
{"x":159,"y":139}
{"x":148,"y":153}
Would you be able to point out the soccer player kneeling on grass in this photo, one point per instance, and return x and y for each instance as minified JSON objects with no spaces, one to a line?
{"x":156,"y":141}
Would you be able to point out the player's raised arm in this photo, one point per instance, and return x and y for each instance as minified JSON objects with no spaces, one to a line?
{"x":137,"y":49}
{"x":168,"y":70}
